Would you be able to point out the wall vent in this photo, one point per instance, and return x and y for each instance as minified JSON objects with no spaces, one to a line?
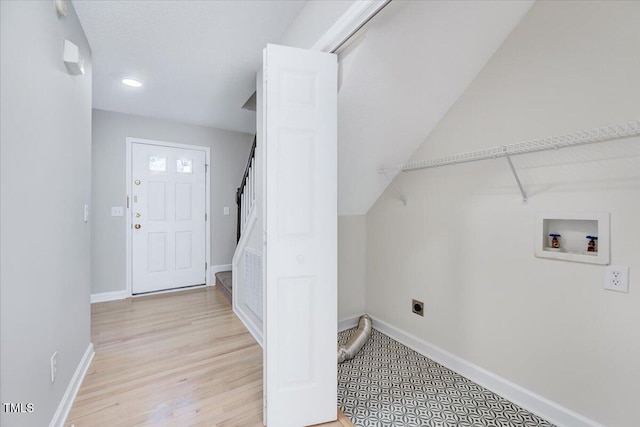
{"x":253,"y":281}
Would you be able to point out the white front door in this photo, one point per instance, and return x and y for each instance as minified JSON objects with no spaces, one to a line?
{"x":300,"y":221}
{"x":167,"y":217}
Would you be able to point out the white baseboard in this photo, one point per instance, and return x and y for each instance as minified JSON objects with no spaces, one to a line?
{"x":251,"y":325}
{"x":217,"y":269}
{"x":348,"y":323}
{"x":60,"y":417}
{"x":109,"y":296}
{"x":527,"y":399}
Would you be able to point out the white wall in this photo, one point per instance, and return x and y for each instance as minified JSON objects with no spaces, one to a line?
{"x":229,"y":153}
{"x":464,"y":242}
{"x":313,"y":21}
{"x":351,"y":265}
{"x":46,"y":179}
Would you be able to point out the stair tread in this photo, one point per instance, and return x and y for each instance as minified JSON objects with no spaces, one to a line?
{"x":224,"y":280}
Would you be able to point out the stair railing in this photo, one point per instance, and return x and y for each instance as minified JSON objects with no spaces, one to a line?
{"x":246,"y":193}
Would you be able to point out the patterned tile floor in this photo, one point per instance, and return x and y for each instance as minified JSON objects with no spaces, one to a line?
{"x":389,"y":385}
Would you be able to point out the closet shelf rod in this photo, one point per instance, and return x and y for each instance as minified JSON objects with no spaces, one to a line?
{"x":607,"y":133}
{"x":525,"y":199}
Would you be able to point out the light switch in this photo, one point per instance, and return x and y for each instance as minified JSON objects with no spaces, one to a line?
{"x":226,"y":210}
{"x":117,"y":211}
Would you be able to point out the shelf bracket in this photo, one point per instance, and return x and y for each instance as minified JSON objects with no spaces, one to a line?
{"x":394,"y":189}
{"x":525,"y":200}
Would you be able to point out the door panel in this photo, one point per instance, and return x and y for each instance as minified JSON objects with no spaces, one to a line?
{"x":183,"y":201}
{"x":183,"y":250}
{"x":168,"y":213}
{"x":300,"y":220}
{"x":296,"y":202}
{"x":156,"y":199}
{"x":157,"y":252}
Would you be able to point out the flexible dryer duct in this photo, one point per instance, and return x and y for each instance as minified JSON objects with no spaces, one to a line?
{"x":356,"y":341}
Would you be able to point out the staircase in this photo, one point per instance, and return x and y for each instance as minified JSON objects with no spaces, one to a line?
{"x":247,"y":257}
{"x":224,"y":283}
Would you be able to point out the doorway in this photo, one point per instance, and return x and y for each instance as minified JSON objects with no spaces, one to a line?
{"x":168,"y":231}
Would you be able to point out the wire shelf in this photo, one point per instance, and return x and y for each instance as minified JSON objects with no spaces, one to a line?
{"x":607,"y":133}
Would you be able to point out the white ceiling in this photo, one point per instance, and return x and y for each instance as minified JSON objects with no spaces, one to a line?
{"x":408,"y":69}
{"x":197,"y":59}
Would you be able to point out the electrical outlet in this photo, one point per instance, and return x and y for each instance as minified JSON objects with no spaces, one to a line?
{"x":54,"y":366}
{"x":417,"y":307}
{"x":616,"y":278}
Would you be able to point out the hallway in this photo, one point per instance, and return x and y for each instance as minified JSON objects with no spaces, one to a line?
{"x":175,"y":359}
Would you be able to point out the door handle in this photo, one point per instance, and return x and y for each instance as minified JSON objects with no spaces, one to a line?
{"x":137,"y":226}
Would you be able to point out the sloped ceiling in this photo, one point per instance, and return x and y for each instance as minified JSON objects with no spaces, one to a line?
{"x":402,"y":76}
{"x":196,"y":59}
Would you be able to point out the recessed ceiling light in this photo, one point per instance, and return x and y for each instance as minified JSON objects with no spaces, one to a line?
{"x":131,"y":82}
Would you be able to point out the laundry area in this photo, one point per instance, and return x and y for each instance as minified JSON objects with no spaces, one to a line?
{"x":389,"y":384}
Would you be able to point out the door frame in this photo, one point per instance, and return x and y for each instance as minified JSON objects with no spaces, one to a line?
{"x":129,"y":224}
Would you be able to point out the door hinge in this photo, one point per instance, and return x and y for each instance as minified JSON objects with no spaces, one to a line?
{"x":205,"y":216}
{"x":127,"y":201}
{"x":206,"y":267}
{"x":206,"y":167}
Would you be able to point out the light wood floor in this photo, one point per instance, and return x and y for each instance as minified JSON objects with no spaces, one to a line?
{"x":178,"y":359}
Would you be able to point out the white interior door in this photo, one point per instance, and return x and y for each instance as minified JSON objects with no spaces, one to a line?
{"x":167,"y":217}
{"x":300,"y":221}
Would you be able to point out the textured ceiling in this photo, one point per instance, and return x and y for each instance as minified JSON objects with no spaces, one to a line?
{"x":197,"y":59}
{"x":401,"y":77}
